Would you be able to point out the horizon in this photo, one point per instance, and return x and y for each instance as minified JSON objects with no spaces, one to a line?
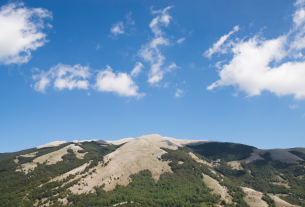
{"x":94,"y":140}
{"x":221,"y":71}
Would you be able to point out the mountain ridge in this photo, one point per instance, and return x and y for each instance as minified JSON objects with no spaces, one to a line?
{"x":84,"y":169}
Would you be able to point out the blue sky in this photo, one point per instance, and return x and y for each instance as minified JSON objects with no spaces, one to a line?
{"x":230,"y":71}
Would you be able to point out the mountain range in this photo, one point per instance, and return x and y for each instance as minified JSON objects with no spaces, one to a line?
{"x":152,"y":170}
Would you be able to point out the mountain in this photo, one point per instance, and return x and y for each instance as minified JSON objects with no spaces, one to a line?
{"x":152,"y":171}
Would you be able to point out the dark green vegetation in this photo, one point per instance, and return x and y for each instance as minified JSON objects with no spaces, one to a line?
{"x":4,"y":155}
{"x":268,"y":200}
{"x":14,"y":186}
{"x":224,"y":151}
{"x":183,"y":187}
{"x":264,"y":173}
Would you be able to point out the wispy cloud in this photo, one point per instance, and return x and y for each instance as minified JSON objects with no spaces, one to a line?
{"x":166,"y":85}
{"x":219,"y":46}
{"x":97,"y":47}
{"x":180,"y":41}
{"x":21,"y":32}
{"x":136,"y":70}
{"x":117,"y":28}
{"x":129,"y":19}
{"x":150,"y":52}
{"x":179,"y":93}
{"x":293,"y":106}
{"x":250,"y":68}
{"x":120,"y":27}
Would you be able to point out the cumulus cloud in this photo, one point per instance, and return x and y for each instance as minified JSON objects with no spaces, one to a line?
{"x":219,"y":46}
{"x":260,"y":64}
{"x":180,"y":41}
{"x":62,"y":76}
{"x":78,"y":77}
{"x":120,"y":83}
{"x":179,"y":93}
{"x":150,"y":52}
{"x":21,"y":32}
{"x":136,"y":70}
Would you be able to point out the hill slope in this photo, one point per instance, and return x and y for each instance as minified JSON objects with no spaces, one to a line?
{"x":152,"y":171}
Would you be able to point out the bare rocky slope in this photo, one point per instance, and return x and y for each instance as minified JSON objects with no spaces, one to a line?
{"x":152,"y":170}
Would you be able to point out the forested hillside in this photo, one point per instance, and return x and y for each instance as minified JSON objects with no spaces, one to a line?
{"x":186,"y":185}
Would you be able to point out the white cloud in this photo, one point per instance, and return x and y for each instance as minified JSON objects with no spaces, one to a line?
{"x":129,"y":20}
{"x":180,"y":41}
{"x":260,"y":64}
{"x":219,"y":64}
{"x":42,"y":81}
{"x":49,"y":25}
{"x":77,"y":76}
{"x":62,"y":76}
{"x":117,"y":28}
{"x":97,"y":47}
{"x":150,"y":52}
{"x":166,"y":85}
{"x":136,"y":70}
{"x":192,"y":65}
{"x":219,"y":46}
{"x":171,"y":67}
{"x":293,"y":106}
{"x":120,"y":83}
{"x":21,"y":32}
{"x":121,"y":27}
{"x":179,"y":93}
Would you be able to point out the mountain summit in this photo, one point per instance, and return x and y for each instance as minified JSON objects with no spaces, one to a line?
{"x":152,"y":170}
